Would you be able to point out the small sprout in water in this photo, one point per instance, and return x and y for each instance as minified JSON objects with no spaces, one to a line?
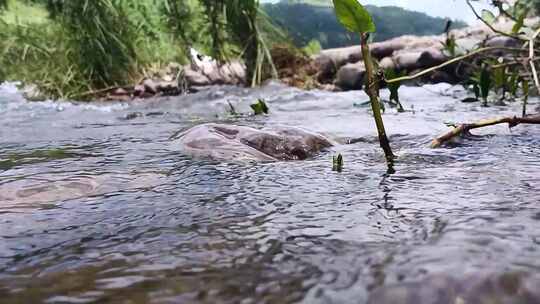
{"x":450,"y":46}
{"x":232,"y":110}
{"x":337,"y":163}
{"x":485,"y":84}
{"x":260,"y":107}
{"x":476,"y":90}
{"x":525,"y":88}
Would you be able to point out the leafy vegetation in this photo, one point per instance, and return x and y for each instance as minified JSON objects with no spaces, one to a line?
{"x":307,"y":21}
{"x":76,"y":47}
{"x":500,"y":73}
{"x":260,"y":107}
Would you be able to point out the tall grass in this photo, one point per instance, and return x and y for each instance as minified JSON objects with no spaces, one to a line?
{"x":101,"y":39}
{"x":87,"y":45}
{"x":36,"y":54}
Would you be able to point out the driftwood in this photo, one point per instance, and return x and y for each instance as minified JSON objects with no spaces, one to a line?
{"x":463,"y":129}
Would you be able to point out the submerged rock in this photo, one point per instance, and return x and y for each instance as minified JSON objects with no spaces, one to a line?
{"x":230,"y":142}
{"x":505,"y":288}
{"x":57,"y":188}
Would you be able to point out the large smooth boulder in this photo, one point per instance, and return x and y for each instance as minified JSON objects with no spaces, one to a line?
{"x":417,"y":59}
{"x":212,"y":73}
{"x":239,"y":143}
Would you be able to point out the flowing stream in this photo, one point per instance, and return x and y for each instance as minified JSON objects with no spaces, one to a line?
{"x":98,"y":205}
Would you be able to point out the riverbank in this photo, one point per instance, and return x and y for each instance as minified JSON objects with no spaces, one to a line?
{"x":343,"y":67}
{"x":338,"y":69}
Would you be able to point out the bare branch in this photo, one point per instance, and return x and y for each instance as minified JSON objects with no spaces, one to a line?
{"x":451,"y":61}
{"x":462,"y":129}
{"x":491,"y":27}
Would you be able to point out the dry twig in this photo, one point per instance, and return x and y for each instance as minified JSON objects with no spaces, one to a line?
{"x":462,"y":129}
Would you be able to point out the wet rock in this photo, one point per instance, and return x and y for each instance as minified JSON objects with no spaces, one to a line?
{"x":504,"y":288}
{"x":327,"y":69}
{"x":503,"y":42}
{"x":340,"y":56}
{"x":32,"y":93}
{"x":441,"y":76}
{"x":417,"y":59}
{"x":407,"y":60}
{"x":407,"y":42}
{"x":119,"y":94}
{"x":138,"y":90}
{"x":211,"y":72}
{"x":196,"y":78}
{"x":431,"y":57}
{"x":351,"y":76}
{"x":239,"y":143}
{"x":50,"y":188}
{"x":150,"y":86}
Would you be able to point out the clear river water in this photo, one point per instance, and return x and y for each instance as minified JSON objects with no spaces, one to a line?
{"x":97,"y":204}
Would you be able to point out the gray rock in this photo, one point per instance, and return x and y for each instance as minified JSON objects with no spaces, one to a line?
{"x":150,"y":86}
{"x":211,"y":72}
{"x":407,"y":60}
{"x":138,"y":90}
{"x":431,"y":57}
{"x":327,"y":69}
{"x":239,"y":143}
{"x":56,"y":188}
{"x":351,"y":76}
{"x":340,"y":56}
{"x":32,"y":93}
{"x":417,"y":59}
{"x":387,"y":63}
{"x":196,"y":78}
{"x":441,"y":289}
{"x":503,"y":42}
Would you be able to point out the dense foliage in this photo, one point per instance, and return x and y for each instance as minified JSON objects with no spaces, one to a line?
{"x":103,"y":43}
{"x":306,"y":22}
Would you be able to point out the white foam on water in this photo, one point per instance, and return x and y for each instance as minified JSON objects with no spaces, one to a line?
{"x":12,"y":99}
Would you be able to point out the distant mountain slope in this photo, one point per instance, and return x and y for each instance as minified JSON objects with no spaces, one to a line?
{"x":306,"y":20}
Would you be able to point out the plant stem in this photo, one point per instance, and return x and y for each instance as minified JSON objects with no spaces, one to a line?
{"x":373,"y":92}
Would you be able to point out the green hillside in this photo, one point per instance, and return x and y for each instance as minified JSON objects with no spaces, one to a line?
{"x":307,"y":20}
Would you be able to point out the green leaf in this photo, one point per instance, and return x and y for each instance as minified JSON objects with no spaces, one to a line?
{"x":520,"y":22}
{"x":525,"y":87}
{"x":394,"y":87}
{"x":260,"y":107}
{"x":514,"y":83}
{"x":499,"y":77}
{"x":476,"y":91}
{"x":353,"y":16}
{"x":337,"y":163}
{"x":485,"y":83}
{"x":488,"y":16}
